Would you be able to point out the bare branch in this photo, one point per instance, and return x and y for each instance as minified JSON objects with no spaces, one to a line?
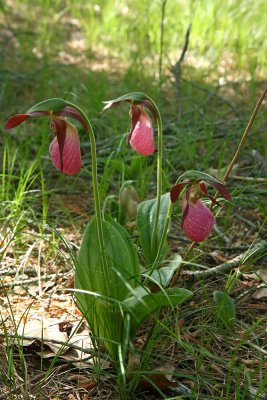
{"x":258,"y":250}
{"x":176,"y":70}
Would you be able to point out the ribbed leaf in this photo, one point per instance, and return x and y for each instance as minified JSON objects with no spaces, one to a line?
{"x":163,"y":276}
{"x":225,"y":309}
{"x":103,"y":313}
{"x":146,"y":212}
{"x":122,"y":258}
{"x":142,"y":304}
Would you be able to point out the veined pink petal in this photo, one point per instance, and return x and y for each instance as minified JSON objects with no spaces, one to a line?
{"x":198,"y":220}
{"x":67,"y":159}
{"x":142,"y":135}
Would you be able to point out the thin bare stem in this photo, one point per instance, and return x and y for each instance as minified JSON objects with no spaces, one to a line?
{"x":176,"y":70}
{"x":245,"y":134}
{"x":159,"y":176}
{"x":227,"y":173}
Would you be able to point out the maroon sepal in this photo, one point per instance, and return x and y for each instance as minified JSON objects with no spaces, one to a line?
{"x":73,"y":113}
{"x":204,"y":191}
{"x":17,"y":119}
{"x":222,"y":189}
{"x":148,"y":105}
{"x":176,"y":190}
{"x":185,"y":212}
{"x":59,"y":127}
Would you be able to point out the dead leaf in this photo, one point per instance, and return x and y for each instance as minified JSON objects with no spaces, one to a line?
{"x":180,"y":324}
{"x":260,"y":294}
{"x":81,"y":381}
{"x":160,"y":378}
{"x":89,"y":385}
{"x":262,"y":274}
{"x":44,"y":330}
{"x":32,"y":328}
{"x":159,"y":381}
{"x":81,"y":339}
{"x":133,"y":362}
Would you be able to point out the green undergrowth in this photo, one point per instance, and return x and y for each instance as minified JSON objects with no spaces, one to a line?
{"x":90,"y":52}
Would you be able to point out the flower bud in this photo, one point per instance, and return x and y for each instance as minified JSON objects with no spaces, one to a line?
{"x":130,"y":201}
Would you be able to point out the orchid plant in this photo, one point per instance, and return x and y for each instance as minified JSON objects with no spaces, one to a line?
{"x":112,"y":289}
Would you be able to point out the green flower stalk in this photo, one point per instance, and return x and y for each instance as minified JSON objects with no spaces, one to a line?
{"x":65,"y":148}
{"x":141,"y":138}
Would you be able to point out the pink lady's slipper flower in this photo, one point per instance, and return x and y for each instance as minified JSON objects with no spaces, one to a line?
{"x":197,"y":219}
{"x":65,"y":148}
{"x":141,"y":136}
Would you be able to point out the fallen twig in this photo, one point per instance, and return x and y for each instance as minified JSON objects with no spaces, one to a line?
{"x":248,"y":178}
{"x":251,"y":290}
{"x":92,"y":352}
{"x":207,"y":245}
{"x":33,"y":280}
{"x":257,"y":250}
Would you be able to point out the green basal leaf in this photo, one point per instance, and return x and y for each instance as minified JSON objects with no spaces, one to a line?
{"x":104,"y":313}
{"x":163,"y":276}
{"x":54,"y":104}
{"x":146,"y":212}
{"x":137,"y":294}
{"x":225,"y":309}
{"x":142,"y":304}
{"x":122,"y":258}
{"x":133,"y":266}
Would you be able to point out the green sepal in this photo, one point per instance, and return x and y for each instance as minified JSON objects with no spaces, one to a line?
{"x":198,"y":175}
{"x":54,"y":104}
{"x":135,"y":98}
{"x":225,"y":309}
{"x":192,"y":175}
{"x":145,"y":220}
{"x":130,"y":97}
